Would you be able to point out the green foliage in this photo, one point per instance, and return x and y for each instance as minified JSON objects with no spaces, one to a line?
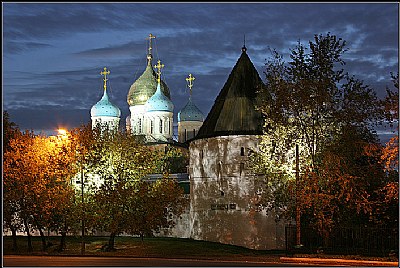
{"x":310,"y":99}
{"x":173,"y":160}
{"x":122,"y":200}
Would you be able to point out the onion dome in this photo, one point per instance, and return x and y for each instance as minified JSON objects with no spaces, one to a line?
{"x":159,"y":102}
{"x":104,"y":107}
{"x":190,"y":113}
{"x":145,"y":86}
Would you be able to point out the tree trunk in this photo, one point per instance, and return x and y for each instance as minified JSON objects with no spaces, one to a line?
{"x":42,"y":235}
{"x":14,"y":238}
{"x":28,"y":234}
{"x":43,"y":238}
{"x":111,"y":241}
{"x":63,"y":237}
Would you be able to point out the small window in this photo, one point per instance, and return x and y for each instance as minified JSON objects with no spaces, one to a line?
{"x":160,"y":126}
{"x":242,"y":151}
{"x":151,"y":126}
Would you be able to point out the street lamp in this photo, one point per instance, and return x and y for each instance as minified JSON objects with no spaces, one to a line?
{"x":62,"y":132}
{"x":82,"y":182}
{"x":298,"y":213}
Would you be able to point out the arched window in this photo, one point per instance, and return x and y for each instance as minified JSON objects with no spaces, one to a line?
{"x":242,"y":151}
{"x":140,"y":125}
{"x":151,"y":126}
{"x":161,"y":126}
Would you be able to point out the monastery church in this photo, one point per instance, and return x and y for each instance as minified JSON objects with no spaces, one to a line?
{"x":223,"y":189}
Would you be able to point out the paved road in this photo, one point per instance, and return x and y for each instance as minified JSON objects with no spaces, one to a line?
{"x":47,"y":261}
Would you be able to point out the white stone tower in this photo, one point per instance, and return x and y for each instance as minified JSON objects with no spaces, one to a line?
{"x":224,"y":191}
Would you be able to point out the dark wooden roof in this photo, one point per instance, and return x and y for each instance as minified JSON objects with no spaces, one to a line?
{"x":233,"y":112}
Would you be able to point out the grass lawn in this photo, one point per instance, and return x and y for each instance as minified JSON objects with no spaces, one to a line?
{"x":161,"y":247}
{"x":134,"y":247}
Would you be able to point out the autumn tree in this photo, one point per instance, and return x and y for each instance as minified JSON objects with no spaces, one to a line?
{"x":10,"y":195}
{"x":390,"y":155}
{"x":155,"y":205}
{"x":310,"y":101}
{"x":387,"y":199}
{"x":37,"y":173}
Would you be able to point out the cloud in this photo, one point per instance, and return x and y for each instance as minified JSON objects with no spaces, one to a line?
{"x":13,"y":47}
{"x":54,"y":52}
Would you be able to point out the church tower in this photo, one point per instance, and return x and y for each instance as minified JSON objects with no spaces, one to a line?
{"x":159,"y":111}
{"x":190,"y":118}
{"x":104,"y":113}
{"x":224,"y":190}
{"x":140,"y":92}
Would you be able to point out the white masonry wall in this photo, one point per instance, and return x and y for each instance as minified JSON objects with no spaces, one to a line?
{"x":223,"y":193}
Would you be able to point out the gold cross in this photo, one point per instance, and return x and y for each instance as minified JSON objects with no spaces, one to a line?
{"x":149,"y":38}
{"x":190,"y":85}
{"x":105,"y":77}
{"x":159,"y":66}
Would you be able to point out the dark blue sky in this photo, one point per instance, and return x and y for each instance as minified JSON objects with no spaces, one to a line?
{"x":53,"y":53}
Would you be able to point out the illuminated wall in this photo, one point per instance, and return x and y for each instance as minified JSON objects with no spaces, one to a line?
{"x":223,"y":193}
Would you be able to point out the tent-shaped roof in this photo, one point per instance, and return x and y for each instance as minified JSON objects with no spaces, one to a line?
{"x":234,"y":112}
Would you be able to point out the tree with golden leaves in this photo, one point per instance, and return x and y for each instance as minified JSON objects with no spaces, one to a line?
{"x":37,"y":170}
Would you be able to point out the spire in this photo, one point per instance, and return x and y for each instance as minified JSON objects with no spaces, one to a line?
{"x":158,"y":67}
{"x":244,"y":49}
{"x":105,"y":72}
{"x":149,"y":55}
{"x":190,"y":85}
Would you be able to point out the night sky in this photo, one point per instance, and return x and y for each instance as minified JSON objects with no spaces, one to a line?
{"x":53,"y":53}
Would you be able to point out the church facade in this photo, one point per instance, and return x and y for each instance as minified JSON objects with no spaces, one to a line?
{"x":224,"y":191}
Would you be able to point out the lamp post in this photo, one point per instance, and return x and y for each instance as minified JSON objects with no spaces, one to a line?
{"x":83,"y":213}
{"x":80,"y":159}
{"x":298,"y":213}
